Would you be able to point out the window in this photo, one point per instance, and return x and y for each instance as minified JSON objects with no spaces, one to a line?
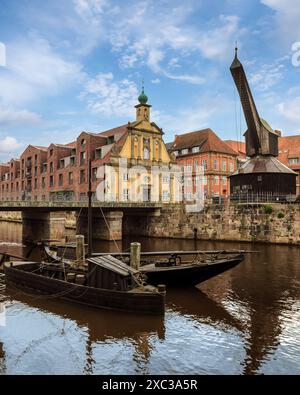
{"x":188,"y":195}
{"x":51,"y":181}
{"x":175,"y":153}
{"x":185,"y":151}
{"x":216,"y":164}
{"x":35,"y":171}
{"x":224,"y":180}
{"x":61,"y":163}
{"x":204,"y":164}
{"x":166,"y":179}
{"x":196,"y":163}
{"x":204,"y":180}
{"x":51,"y":167}
{"x":216,"y":180}
{"x":51,"y":152}
{"x":231,"y":167}
{"x":60,"y":180}
{"x":224,"y":165}
{"x":82,"y":158}
{"x":35,"y":159}
{"x":44,"y":169}
{"x":198,"y":180}
{"x":166,"y":196}
{"x":83,"y":143}
{"x":72,"y":161}
{"x":125,"y":176}
{"x":71,"y":178}
{"x":293,"y":161}
{"x":98,"y":153}
{"x":146,"y":153}
{"x":17,"y":186}
{"x":195,"y":149}
{"x":259,"y":178}
{"x":188,"y":181}
{"x":43,"y":183}
{"x":189,"y":168}
{"x":82,"y":176}
{"x":110,"y":139}
{"x":125,"y":194}
{"x":94,"y":173}
{"x":35,"y":183}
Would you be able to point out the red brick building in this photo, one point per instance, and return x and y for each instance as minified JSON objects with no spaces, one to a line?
{"x":60,"y":171}
{"x":289,"y":154}
{"x":205,"y":149}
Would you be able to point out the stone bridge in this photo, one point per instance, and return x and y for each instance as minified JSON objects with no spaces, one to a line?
{"x":46,"y":219}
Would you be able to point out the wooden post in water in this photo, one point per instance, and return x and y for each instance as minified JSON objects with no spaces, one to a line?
{"x":135,"y":255}
{"x":80,"y":251}
{"x":90,"y":211}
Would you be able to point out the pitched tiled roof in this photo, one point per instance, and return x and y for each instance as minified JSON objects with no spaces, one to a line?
{"x":237,"y":146}
{"x":111,"y":132}
{"x":40,"y":147}
{"x":289,"y":145}
{"x":263,"y":164}
{"x":206,"y":139}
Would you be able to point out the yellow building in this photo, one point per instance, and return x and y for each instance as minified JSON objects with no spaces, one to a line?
{"x":138,"y":166}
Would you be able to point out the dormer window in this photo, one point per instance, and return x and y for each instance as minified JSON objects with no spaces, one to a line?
{"x":185,"y":151}
{"x":195,"y":150}
{"x":110,"y":139}
{"x":98,"y":153}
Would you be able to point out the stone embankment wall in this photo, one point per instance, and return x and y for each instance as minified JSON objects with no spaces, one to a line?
{"x":270,"y":223}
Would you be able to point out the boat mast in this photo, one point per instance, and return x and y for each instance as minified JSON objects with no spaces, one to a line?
{"x":90,"y":213}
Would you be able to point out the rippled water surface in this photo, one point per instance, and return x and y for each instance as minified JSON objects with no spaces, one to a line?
{"x":243,"y":321}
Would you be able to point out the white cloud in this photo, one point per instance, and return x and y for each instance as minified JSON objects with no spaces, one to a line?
{"x":155,"y":81}
{"x":267,"y":76}
{"x":289,"y":109}
{"x":9,"y":145}
{"x":110,"y":97}
{"x":138,"y":43}
{"x":35,"y":70}
{"x":9,"y":116}
{"x":287,"y":16}
{"x":193,"y":118}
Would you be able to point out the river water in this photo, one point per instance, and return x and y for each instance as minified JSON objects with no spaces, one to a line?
{"x":245,"y":321}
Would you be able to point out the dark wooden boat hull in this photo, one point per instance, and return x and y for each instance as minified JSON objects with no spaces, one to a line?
{"x":21,"y":277}
{"x":193,"y":274}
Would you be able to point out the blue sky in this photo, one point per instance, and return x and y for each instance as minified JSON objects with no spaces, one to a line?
{"x":74,"y":65}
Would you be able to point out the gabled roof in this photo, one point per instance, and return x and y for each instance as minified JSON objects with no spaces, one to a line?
{"x":205,"y":139}
{"x":39,"y":147}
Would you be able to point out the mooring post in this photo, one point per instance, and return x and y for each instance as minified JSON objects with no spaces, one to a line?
{"x":80,"y":252}
{"x":135,"y":255}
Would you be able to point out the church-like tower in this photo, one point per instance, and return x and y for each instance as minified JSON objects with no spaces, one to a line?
{"x":143,"y":109}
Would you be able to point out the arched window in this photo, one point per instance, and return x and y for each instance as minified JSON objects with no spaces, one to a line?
{"x":146,"y":153}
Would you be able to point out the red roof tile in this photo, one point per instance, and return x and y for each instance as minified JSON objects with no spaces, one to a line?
{"x":206,"y":139}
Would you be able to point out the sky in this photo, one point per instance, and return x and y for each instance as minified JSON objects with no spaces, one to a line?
{"x":73,"y":65}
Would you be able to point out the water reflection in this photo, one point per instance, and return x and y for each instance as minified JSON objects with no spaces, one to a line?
{"x":243,"y":321}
